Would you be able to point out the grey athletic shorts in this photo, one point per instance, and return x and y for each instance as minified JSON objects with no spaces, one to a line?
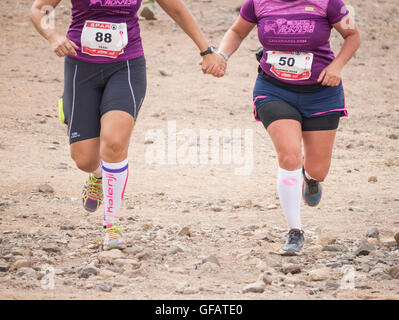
{"x":92,"y":89}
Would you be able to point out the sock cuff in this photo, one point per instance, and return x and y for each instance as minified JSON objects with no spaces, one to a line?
{"x":287,"y":172}
{"x":115,"y":167}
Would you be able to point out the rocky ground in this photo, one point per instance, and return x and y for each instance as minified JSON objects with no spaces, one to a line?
{"x":197,"y":231}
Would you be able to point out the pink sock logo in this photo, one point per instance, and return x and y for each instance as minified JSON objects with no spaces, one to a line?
{"x":290,"y":181}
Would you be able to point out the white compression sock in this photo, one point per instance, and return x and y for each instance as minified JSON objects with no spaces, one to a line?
{"x":98,"y":172}
{"x":289,"y":186}
{"x":114,"y":183}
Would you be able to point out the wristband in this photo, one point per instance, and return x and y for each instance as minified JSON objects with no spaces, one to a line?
{"x":224,"y":55}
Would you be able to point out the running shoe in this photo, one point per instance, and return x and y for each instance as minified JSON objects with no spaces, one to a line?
{"x":92,"y":194}
{"x":295,"y":241}
{"x":148,"y":11}
{"x":113,"y":238}
{"x":311,"y":190}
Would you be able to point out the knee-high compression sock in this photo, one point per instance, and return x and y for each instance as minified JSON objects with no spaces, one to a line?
{"x":98,"y":173}
{"x":289,"y":186}
{"x":115,"y":177}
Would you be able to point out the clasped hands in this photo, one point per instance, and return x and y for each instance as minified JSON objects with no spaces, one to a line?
{"x":213,"y":64}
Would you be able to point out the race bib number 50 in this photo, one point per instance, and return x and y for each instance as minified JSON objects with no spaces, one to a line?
{"x":290,"y":65}
{"x":104,"y":39}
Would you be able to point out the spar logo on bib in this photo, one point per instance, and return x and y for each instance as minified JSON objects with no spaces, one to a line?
{"x":284,"y":26}
{"x":113,"y":3}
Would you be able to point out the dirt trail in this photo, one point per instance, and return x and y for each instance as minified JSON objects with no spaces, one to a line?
{"x":235,"y":224}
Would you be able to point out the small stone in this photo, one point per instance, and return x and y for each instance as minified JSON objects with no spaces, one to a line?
{"x":246,"y":204}
{"x":373,"y":179}
{"x":211,"y":259}
{"x":104,"y":287}
{"x":110,"y":256}
{"x":209,"y":267}
{"x":25,"y":271}
{"x":291,"y":268}
{"x":372,"y":232}
{"x":86,"y":272}
{"x":4,"y":267}
{"x":22,"y":263}
{"x":51,"y":248}
{"x":396,"y":237}
{"x":256,"y":287}
{"x":332,"y":248}
{"x":394,"y":272}
{"x":364,"y":249}
{"x":356,"y":209}
{"x":165,"y":72}
{"x":319,"y":274}
{"x":145,"y":255}
{"x":174,"y":249}
{"x":128,"y":262}
{"x":271,"y":207}
{"x":216,"y":208}
{"x":185,"y":231}
{"x":393,"y":137}
{"x":365,"y":267}
{"x":327,"y":239}
{"x":106,"y":274}
{"x":45,"y":188}
{"x":266,"y":278}
{"x":61,"y":166}
{"x":262,"y":236}
{"x":186,"y":289}
{"x":43,"y":120}
{"x":133,"y":273}
{"x":332,"y":285}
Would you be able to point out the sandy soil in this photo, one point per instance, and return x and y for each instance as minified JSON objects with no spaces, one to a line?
{"x":236,"y":225}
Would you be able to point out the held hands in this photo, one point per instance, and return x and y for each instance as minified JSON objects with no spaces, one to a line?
{"x":330,"y":76}
{"x":62,"y":46}
{"x":213,"y":64}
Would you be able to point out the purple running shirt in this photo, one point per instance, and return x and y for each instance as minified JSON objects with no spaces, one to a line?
{"x":101,"y":29}
{"x":295,"y":35}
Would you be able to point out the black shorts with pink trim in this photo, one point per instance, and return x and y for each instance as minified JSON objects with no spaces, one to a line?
{"x":318,"y":108}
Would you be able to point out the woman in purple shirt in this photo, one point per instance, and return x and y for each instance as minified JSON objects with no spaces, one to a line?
{"x":104,"y":88}
{"x":298,"y":94}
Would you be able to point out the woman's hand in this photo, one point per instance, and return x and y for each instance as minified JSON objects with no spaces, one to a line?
{"x":62,"y":46}
{"x":330,"y":76}
{"x":213,"y":64}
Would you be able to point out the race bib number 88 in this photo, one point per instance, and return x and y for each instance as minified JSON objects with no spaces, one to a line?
{"x":104,"y":39}
{"x":290,"y":65}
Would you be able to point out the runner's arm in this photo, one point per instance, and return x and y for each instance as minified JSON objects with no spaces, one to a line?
{"x":182,"y":16}
{"x":235,"y":35}
{"x":61,"y":45}
{"x":331,"y":76}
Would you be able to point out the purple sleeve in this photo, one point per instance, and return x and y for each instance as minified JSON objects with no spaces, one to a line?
{"x":248,"y":11}
{"x":336,"y":11}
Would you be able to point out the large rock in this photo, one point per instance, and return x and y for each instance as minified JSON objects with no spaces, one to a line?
{"x":256,"y":287}
{"x":110,"y":256}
